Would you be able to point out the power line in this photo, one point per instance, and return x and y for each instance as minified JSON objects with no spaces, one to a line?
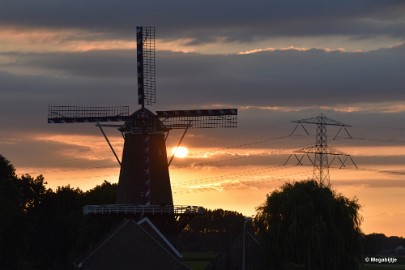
{"x":237,"y":175}
{"x":273,"y":152}
{"x":378,"y":139}
{"x":252,"y":172}
{"x":225,"y":185}
{"x":242,"y":145}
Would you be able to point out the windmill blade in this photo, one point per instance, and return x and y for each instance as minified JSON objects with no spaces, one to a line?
{"x":145,"y":37}
{"x":78,"y":114}
{"x":181,"y":119}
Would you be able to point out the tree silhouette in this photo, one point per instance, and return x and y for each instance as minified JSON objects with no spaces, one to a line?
{"x":303,"y":225}
{"x":212,"y":231}
{"x":308,"y":226}
{"x":11,"y":216}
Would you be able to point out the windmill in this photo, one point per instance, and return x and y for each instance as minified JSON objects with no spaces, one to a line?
{"x":144,"y":183}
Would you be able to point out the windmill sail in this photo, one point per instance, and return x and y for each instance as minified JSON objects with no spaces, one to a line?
{"x":79,"y":114}
{"x":214,"y":118}
{"x":145,"y":37}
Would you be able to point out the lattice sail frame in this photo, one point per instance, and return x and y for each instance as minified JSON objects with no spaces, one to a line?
{"x":145,"y":37}
{"x":80,"y":114}
{"x":181,"y":119}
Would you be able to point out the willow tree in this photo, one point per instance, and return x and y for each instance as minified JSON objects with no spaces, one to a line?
{"x":305,"y":225}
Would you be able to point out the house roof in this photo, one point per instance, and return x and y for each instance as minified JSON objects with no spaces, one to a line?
{"x":232,"y":256}
{"x":132,"y":246}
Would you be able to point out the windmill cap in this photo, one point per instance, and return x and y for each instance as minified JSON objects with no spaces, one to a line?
{"x":142,"y":121}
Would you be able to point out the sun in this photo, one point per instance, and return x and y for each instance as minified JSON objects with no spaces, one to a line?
{"x":180,"y":152}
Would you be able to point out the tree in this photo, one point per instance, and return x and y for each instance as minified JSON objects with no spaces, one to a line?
{"x":373,"y":243}
{"x":102,"y":194}
{"x":212,"y":231}
{"x":38,"y":227}
{"x":55,"y":228}
{"x":11,"y":216}
{"x":306,"y":225}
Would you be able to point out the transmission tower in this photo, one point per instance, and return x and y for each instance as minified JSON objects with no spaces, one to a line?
{"x":321,"y":150}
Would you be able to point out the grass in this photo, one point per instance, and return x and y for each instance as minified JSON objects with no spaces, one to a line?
{"x":198,"y":260}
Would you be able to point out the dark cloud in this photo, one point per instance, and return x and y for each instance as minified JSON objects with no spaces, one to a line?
{"x":288,"y":78}
{"x":28,"y":152}
{"x":279,"y":78}
{"x":24,"y":100}
{"x":207,"y":20}
{"x":292,"y":79}
{"x":96,"y":63}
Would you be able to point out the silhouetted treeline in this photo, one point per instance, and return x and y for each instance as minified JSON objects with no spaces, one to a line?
{"x":378,"y":244}
{"x":45,"y":229}
{"x":41,"y":228}
{"x":211,"y":231}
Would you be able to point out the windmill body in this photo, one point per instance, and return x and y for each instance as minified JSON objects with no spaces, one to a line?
{"x":144,"y":177}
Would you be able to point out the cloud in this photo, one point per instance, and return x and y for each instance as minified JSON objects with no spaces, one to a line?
{"x":279,"y":85}
{"x":278,"y":78}
{"x":367,"y":183}
{"x":208,"y":21}
{"x":291,"y":78}
{"x":50,"y":154}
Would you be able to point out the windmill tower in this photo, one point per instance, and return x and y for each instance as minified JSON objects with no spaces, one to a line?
{"x":144,"y":183}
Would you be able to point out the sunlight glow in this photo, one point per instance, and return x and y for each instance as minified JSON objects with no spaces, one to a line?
{"x":180,"y":152}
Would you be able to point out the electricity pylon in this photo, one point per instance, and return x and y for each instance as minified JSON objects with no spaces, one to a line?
{"x":321,"y":150}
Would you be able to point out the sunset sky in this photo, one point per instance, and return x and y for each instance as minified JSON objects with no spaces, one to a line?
{"x":276,"y":61}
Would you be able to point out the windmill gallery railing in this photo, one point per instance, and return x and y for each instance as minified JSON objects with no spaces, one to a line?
{"x":129,"y":209}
